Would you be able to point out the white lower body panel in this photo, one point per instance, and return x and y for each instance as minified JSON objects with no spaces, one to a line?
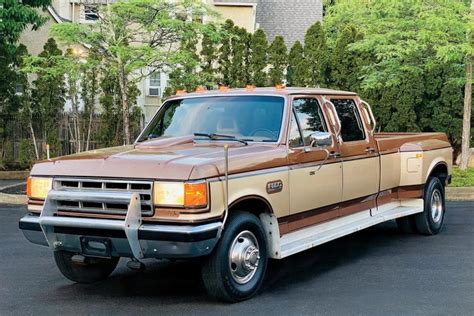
{"x":312,"y":236}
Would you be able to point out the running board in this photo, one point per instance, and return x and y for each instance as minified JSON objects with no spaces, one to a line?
{"x":307,"y":238}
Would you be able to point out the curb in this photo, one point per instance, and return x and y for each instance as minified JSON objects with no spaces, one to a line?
{"x":459,"y":194}
{"x":14,"y":175}
{"x":13,"y":199}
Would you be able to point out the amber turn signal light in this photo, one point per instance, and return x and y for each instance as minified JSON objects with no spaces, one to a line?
{"x":195,"y":194}
{"x":38,"y":188}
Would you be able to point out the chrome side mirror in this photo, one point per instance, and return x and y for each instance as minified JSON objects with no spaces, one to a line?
{"x":321,"y":139}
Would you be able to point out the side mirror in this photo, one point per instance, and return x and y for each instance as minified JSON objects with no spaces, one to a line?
{"x":321,"y":139}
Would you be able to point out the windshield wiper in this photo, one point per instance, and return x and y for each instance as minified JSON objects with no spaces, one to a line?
{"x":221,"y":137}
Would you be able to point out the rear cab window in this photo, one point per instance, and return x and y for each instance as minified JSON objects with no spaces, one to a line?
{"x":352,"y":128}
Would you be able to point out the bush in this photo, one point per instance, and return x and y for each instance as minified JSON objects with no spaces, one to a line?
{"x":463,"y":178}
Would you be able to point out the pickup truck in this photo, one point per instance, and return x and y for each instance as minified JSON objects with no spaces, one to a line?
{"x":233,"y":178}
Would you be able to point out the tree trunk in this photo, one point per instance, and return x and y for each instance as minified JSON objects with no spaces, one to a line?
{"x":30,"y":125}
{"x":466,"y":122}
{"x":91,"y":110}
{"x":125,"y":105}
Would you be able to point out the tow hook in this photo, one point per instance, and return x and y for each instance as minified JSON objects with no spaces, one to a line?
{"x":136,"y":265}
{"x":80,"y":260}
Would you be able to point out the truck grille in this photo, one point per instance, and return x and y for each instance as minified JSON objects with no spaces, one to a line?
{"x":109,"y":206}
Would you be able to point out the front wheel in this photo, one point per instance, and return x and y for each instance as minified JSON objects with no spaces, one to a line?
{"x":93,"y":270}
{"x":236,"y":268}
{"x":430,"y":221}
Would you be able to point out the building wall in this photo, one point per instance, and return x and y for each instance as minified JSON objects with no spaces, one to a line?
{"x":35,"y":40}
{"x":289,"y":19}
{"x":243,"y":15}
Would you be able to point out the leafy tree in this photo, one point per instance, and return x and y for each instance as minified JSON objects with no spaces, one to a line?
{"x":316,"y":56}
{"x":89,"y":91}
{"x":412,"y":45}
{"x":296,"y":70}
{"x":15,"y":17}
{"x":137,"y":38}
{"x":258,"y":59}
{"x":278,"y":60}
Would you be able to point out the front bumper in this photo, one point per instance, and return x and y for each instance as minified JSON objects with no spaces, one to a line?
{"x":120,"y":238}
{"x":156,"y":241}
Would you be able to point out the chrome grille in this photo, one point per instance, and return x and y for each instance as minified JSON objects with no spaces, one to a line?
{"x":109,"y":186}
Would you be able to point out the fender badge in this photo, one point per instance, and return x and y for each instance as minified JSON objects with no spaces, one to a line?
{"x":274,"y":186}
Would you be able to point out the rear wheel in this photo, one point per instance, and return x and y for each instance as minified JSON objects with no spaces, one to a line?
{"x":430,"y":221}
{"x":92,"y":270}
{"x":236,"y":268}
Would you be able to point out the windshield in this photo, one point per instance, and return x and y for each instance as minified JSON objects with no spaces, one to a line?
{"x":251,"y":118}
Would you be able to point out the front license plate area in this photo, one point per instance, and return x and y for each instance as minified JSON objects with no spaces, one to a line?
{"x":96,"y":247}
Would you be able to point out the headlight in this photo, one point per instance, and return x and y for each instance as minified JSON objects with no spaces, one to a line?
{"x":38,"y":188}
{"x":179,"y":194}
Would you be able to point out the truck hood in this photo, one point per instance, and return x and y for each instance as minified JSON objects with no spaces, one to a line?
{"x":178,"y":158}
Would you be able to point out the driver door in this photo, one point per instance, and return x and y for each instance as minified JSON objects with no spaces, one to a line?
{"x":315,"y":173}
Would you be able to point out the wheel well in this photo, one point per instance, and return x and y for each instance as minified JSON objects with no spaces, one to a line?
{"x":252,"y":204}
{"x":440,"y":171}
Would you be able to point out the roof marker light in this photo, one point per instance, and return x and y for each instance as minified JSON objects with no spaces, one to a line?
{"x":250,"y":87}
{"x":200,"y":89}
{"x":279,"y":87}
{"x":223,"y":88}
{"x":180,"y":92}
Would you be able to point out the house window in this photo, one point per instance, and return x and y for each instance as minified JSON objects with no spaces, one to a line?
{"x":89,"y":14}
{"x":19,"y":89}
{"x":154,"y":84}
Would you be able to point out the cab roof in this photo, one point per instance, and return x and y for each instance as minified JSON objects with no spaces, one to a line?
{"x":267,"y":90}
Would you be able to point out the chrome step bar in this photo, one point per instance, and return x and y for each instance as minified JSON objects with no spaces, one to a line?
{"x":133,"y":219}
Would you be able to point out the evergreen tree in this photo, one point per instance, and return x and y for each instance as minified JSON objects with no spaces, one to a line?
{"x":278,"y":60}
{"x":225,"y":53}
{"x":316,"y":56}
{"x":209,"y":55}
{"x":49,"y":94}
{"x":185,"y":74}
{"x":237,"y":69}
{"x":247,"y":38}
{"x":296,"y":70}
{"x":258,"y":59}
{"x":345,"y":63}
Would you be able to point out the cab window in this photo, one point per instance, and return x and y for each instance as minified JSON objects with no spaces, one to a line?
{"x":351,"y":124}
{"x":309,"y":117}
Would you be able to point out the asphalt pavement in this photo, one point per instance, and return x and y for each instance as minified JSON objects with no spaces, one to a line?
{"x":378,"y":271}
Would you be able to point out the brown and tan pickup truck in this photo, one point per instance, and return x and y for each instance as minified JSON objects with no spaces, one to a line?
{"x":236,"y":177}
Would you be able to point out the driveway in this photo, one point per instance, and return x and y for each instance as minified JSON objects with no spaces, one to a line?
{"x":377,"y":271}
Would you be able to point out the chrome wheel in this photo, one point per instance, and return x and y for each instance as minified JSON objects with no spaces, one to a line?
{"x":244,"y":256}
{"x":436,"y":206}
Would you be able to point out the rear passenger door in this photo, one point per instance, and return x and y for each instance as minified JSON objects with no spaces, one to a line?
{"x":360,"y":159}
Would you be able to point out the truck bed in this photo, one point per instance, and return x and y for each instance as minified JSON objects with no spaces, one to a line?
{"x":393,"y":142}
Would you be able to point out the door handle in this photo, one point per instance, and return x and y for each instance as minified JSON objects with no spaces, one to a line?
{"x":334,"y":154}
{"x":370,"y":150}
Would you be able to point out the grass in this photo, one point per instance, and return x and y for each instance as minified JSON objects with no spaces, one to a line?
{"x":463,"y":178}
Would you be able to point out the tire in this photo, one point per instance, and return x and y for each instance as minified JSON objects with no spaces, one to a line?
{"x":430,"y":221}
{"x":407,"y":224}
{"x":229,"y":277}
{"x":94,"y":270}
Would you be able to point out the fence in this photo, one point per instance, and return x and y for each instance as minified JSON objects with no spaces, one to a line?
{"x":14,"y":132}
